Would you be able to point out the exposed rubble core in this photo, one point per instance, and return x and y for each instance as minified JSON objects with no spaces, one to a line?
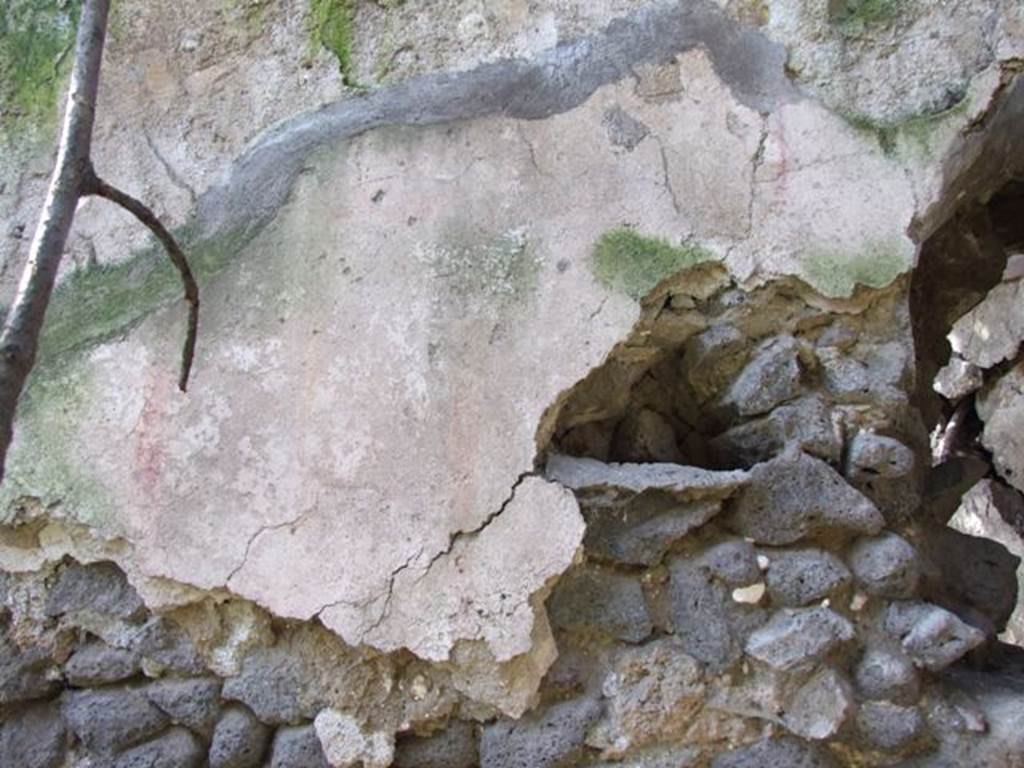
{"x":808,"y":577}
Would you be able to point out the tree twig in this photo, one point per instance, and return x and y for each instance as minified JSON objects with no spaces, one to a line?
{"x":73,"y":177}
{"x":94,"y":185}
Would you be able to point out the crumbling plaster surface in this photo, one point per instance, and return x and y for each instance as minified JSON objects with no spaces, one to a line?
{"x":415,"y":291}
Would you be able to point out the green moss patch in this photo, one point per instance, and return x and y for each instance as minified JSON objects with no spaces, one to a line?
{"x":838,"y":274}
{"x":634,"y":264}
{"x":332,"y":27}
{"x":49,"y":457}
{"x":852,"y":17}
{"x":36,"y":53}
{"x":98,"y":303}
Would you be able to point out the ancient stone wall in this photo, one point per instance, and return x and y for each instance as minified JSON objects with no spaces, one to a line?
{"x":601,"y":384}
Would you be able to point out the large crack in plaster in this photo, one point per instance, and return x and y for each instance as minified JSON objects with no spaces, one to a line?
{"x":172,"y":174}
{"x":482,"y":586}
{"x":388,"y":592}
{"x":667,"y":177}
{"x":263,"y":530}
{"x":755,"y":167}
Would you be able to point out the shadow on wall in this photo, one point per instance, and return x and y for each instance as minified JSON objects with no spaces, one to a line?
{"x":967,"y":299}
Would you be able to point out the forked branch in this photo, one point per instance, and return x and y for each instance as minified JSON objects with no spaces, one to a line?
{"x":73,"y":178}
{"x":94,"y":185}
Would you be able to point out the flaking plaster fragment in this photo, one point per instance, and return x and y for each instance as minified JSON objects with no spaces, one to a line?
{"x":509,"y":688}
{"x":481,"y":588}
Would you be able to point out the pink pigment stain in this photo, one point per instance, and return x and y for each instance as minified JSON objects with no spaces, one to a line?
{"x":151,"y":433}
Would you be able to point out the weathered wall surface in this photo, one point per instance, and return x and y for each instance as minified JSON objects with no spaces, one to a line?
{"x":438,"y":314}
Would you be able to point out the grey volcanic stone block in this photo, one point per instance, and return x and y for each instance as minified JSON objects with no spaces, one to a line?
{"x":168,"y":647}
{"x":643,"y":436}
{"x":454,"y":747}
{"x":797,"y":636}
{"x":99,"y":664}
{"x":25,"y":673}
{"x":297,"y":747}
{"x":710,"y":624}
{"x":733,"y":562}
{"x":194,"y":703}
{"x":269,"y":686}
{"x":771,"y":378}
{"x":802,"y":576}
{"x":175,"y":749}
{"x":872,"y":455}
{"x":111,"y":720}
{"x":612,"y":482}
{"x":933,"y":637}
{"x":887,"y":565}
{"x":985,"y":576}
{"x":958,"y":378}
{"x":806,"y":423}
{"x":820,"y":707}
{"x":641,"y":531}
{"x":239,"y":740}
{"x":99,"y":588}
{"x":33,"y":736}
{"x":552,"y":737}
{"x":785,"y":752}
{"x":870,"y":373}
{"x":796,"y":496}
{"x":590,"y":598}
{"x":1001,"y":407}
{"x":1001,"y":314}
{"x":302,"y":673}
{"x":713,"y":357}
{"x":653,"y":692}
{"x":940,"y":639}
{"x":887,"y":726}
{"x":886,"y":673}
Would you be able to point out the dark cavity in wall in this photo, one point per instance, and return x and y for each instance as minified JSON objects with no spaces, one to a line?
{"x":957,"y":267}
{"x":965,"y":302}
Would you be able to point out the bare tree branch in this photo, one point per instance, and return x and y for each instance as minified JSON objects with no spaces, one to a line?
{"x":96,"y":186}
{"x":73,"y":177}
{"x":19,"y":339}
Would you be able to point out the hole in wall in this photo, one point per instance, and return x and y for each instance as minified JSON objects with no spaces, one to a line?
{"x":957,"y":267}
{"x":964,"y":289}
{"x":721,"y":378}
{"x":717,"y":377}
